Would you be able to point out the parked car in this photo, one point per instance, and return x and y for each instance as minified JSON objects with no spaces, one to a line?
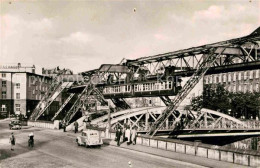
{"x":15,"y":124}
{"x":90,"y":137}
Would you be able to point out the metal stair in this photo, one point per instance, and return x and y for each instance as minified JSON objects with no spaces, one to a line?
{"x":63,"y":105}
{"x":189,"y":85}
{"x":166,"y":100}
{"x":77,"y":104}
{"x":121,"y":103}
{"x":55,"y":89}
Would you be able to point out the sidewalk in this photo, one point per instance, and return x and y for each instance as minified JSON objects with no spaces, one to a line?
{"x":176,"y":156}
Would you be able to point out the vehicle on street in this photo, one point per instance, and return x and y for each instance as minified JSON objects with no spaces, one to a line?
{"x":15,"y":124}
{"x":89,"y":137}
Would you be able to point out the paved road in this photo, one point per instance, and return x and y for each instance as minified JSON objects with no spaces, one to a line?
{"x":54,"y":148}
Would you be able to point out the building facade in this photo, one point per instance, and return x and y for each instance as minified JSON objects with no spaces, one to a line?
{"x":21,"y":91}
{"x":239,"y":81}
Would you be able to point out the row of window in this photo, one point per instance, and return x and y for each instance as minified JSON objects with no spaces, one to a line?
{"x":153,"y":86}
{"x":243,"y":88}
{"x":3,"y":75}
{"x":17,"y":107}
{"x":17,"y":85}
{"x":117,"y":89}
{"x":232,"y":77}
{"x":17,"y":96}
{"x":139,"y":87}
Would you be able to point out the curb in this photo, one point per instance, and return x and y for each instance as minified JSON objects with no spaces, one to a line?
{"x":158,"y":156}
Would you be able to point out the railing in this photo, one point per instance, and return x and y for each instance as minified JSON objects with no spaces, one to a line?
{"x":230,"y":125}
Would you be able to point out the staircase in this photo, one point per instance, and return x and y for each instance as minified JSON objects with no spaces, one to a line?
{"x":63,"y":105}
{"x":53,"y":92}
{"x":166,"y":100}
{"x":189,"y":85}
{"x":77,"y":104}
{"x":121,"y":103}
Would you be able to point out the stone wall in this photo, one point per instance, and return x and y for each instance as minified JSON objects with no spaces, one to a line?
{"x":243,"y":157}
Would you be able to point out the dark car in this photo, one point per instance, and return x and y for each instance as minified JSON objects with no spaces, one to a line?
{"x":15,"y":124}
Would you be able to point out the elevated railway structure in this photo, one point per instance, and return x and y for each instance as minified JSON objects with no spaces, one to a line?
{"x":160,"y":76}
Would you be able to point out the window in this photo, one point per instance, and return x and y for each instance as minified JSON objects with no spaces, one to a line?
{"x":135,"y":87}
{"x":4,"y":95}
{"x":3,"y":83}
{"x":220,"y":78}
{"x":239,"y":75}
{"x":251,"y":74}
{"x":245,"y":75}
{"x":3,"y":75}
{"x":251,"y":88}
{"x":3,"y":108}
{"x":206,"y":80}
{"x":234,"y":89}
{"x":245,"y":86}
{"x":235,"y":76}
{"x":210,"y":79}
{"x":257,"y":74}
{"x":17,"y":107}
{"x":17,"y":85}
{"x":224,"y":78}
{"x":216,"y":79}
{"x":17,"y":95}
{"x":229,"y":77}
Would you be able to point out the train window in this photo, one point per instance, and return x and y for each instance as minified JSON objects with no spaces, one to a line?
{"x":162,"y":85}
{"x":156,"y":86}
{"x":123,"y":88}
{"x":113,"y":89}
{"x":140,"y":87}
{"x":135,"y":89}
{"x":149,"y":86}
{"x":170,"y":85}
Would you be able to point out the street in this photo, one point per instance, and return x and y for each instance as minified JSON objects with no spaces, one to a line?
{"x":54,"y":148}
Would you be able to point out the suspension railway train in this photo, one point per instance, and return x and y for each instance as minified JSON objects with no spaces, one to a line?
{"x":136,"y":89}
{"x":141,"y":89}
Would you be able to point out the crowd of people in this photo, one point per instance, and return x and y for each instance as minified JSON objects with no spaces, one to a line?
{"x":126,"y":134}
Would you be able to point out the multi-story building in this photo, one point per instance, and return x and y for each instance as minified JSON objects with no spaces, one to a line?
{"x":21,"y":90}
{"x":239,"y":81}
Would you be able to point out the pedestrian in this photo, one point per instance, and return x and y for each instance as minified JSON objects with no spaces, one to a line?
{"x":64,"y":126}
{"x":118,"y":135}
{"x":31,"y":140}
{"x":123,"y":134}
{"x":134,"y":133}
{"x":12,"y":141}
{"x":76,"y":126}
{"x":128,"y":135}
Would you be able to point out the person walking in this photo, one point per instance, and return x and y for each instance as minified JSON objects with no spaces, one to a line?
{"x":134,"y":133}
{"x":12,"y":141}
{"x":64,"y":126}
{"x":118,"y":136}
{"x":31,"y":140}
{"x":76,"y":126}
{"x":128,"y":135}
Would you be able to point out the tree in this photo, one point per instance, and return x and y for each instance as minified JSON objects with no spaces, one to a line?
{"x":215,"y":97}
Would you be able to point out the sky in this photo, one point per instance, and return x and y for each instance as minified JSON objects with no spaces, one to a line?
{"x":82,"y":35}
